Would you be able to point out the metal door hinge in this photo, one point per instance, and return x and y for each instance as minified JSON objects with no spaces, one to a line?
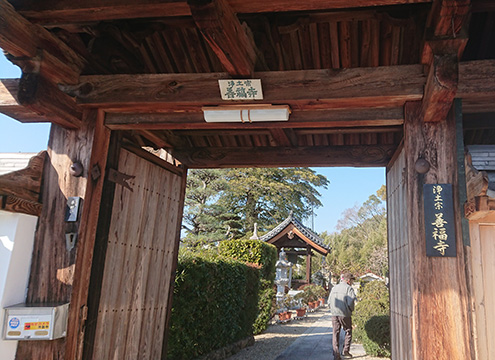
{"x":120,"y":178}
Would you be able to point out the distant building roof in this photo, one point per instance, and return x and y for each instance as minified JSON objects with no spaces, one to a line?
{"x":14,"y":161}
{"x":302,"y":233}
{"x":370,"y":277}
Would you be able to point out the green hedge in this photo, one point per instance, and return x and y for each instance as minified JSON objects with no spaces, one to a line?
{"x":252,"y":251}
{"x":372,"y":319}
{"x":262,"y":254}
{"x":215,"y":304}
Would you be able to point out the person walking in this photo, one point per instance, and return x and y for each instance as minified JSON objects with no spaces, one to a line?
{"x":341,"y":302}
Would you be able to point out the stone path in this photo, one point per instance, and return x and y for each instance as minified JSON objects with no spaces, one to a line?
{"x":316,"y":344}
{"x":306,"y":339}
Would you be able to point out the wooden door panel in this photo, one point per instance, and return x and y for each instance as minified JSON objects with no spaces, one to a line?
{"x":139,"y":262}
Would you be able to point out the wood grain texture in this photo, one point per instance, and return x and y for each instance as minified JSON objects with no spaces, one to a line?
{"x":440,"y":88}
{"x":22,"y":39}
{"x":65,"y":11}
{"x":49,"y":248}
{"x":18,"y":205}
{"x":279,"y":157}
{"x":346,"y":88}
{"x":441,"y":324}
{"x":303,"y":118}
{"x":44,"y":99}
{"x":141,"y":241}
{"x":25,"y":183}
{"x":399,"y":259}
{"x":226,"y":36}
{"x":87,"y":234}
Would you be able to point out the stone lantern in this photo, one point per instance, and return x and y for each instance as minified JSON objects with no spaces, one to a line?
{"x":281,"y":278}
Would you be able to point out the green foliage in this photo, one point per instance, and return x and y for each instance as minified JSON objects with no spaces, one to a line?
{"x":225,"y":204}
{"x":262,"y":254}
{"x":265,"y":307}
{"x":372,"y":319}
{"x":361,"y":244}
{"x":267,"y":195}
{"x":215,"y":304}
{"x":252,"y":251}
{"x":312,"y":292}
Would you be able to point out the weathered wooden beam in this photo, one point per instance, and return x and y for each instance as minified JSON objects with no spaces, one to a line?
{"x":52,"y":256}
{"x":24,"y":41}
{"x":43,"y":98}
{"x":316,"y":89}
{"x":476,"y":86}
{"x":444,"y":42}
{"x":66,"y":11}
{"x":280,"y":137}
{"x":433,"y":279}
{"x":96,"y":160}
{"x":298,"y":119}
{"x":447,"y":18}
{"x":210,"y":157}
{"x":25,"y":184}
{"x":10,"y":106}
{"x":226,"y":36}
{"x":17,"y":205}
{"x":440,"y":89}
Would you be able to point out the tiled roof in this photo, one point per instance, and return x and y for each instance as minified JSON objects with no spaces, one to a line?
{"x":303,"y":229}
{"x":14,"y":161}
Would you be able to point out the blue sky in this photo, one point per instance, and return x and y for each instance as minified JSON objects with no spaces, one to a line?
{"x":348,"y":186}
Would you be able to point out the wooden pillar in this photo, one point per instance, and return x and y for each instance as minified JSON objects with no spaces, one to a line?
{"x":441,"y":327}
{"x":52,"y":267}
{"x":308,"y":266}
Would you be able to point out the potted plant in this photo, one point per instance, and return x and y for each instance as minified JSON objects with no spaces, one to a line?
{"x":301,"y":312}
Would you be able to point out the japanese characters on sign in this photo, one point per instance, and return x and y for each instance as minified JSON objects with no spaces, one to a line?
{"x":245,"y":89}
{"x":439,"y":220}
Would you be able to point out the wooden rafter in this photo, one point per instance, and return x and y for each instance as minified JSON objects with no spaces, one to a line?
{"x":68,"y":11}
{"x":35,"y":49}
{"x":226,"y":36}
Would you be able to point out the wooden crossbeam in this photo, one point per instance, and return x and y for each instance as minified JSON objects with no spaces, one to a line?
{"x":476,"y":86}
{"x":41,"y":97}
{"x":210,"y":157}
{"x":298,"y":119}
{"x":55,"y":12}
{"x":24,"y":41}
{"x":302,"y":89}
{"x":226,"y":36}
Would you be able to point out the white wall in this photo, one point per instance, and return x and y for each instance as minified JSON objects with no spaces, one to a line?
{"x":16,"y":249}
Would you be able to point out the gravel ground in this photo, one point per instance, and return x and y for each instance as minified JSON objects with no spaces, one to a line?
{"x":278,"y":337}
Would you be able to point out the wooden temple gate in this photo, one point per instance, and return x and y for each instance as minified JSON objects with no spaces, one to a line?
{"x":369,"y":83}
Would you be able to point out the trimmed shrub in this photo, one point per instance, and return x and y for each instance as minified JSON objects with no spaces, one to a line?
{"x":252,"y":251}
{"x":265,"y":255}
{"x":215,"y":304}
{"x":372,"y":319}
{"x":312,"y":292}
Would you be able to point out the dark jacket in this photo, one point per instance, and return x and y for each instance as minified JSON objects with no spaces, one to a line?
{"x":341,"y":300}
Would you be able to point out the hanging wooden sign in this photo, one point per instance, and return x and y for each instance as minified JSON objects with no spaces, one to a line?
{"x":245,"y":89}
{"x":439,"y":220}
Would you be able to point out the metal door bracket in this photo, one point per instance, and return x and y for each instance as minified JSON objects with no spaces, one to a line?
{"x":120,"y":178}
